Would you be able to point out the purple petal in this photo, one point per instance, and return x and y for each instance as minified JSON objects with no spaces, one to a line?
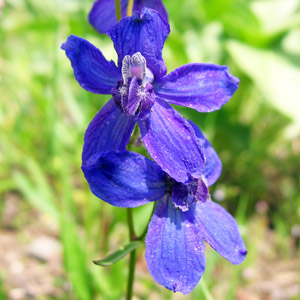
{"x":221,"y":231}
{"x":103,"y":14}
{"x":124,"y":178}
{"x":133,"y":98}
{"x":213,"y":165}
{"x":145,"y":33}
{"x":202,"y":192}
{"x":174,"y":249}
{"x":172,"y":143}
{"x":109,"y":130}
{"x":154,"y":4}
{"x":140,"y":99}
{"x":204,"y":87}
{"x":180,"y":196}
{"x":93,"y":72}
{"x":148,"y":99}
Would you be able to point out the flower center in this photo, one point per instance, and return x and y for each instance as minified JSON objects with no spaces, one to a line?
{"x":185,"y":194}
{"x":134,"y":94}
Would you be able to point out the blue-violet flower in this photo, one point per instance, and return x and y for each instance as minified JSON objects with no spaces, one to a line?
{"x":103,"y":13}
{"x":141,"y":91}
{"x":175,"y":249}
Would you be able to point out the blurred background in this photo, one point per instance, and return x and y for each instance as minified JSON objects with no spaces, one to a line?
{"x":52,"y":227}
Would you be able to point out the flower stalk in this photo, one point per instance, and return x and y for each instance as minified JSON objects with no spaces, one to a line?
{"x":129,"y":8}
{"x":118,"y":9}
{"x":132,"y":258}
{"x":205,"y":290}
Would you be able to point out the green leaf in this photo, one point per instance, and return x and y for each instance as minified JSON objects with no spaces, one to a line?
{"x":75,"y":261}
{"x":118,"y":255}
{"x":277,"y":15}
{"x":35,"y":195}
{"x":276,"y":77}
{"x":2,"y":291}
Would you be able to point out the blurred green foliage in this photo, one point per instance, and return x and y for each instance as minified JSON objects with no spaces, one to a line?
{"x":44,"y":113}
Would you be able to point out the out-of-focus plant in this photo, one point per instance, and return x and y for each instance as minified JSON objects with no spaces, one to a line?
{"x":43,"y":115}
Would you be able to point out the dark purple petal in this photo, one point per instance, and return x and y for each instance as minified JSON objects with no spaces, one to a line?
{"x":124,"y":178}
{"x":204,"y":87}
{"x":147,"y":101}
{"x":120,"y":96}
{"x":172,"y":143}
{"x":202,"y":193}
{"x":103,"y":14}
{"x":180,"y":196}
{"x":154,"y":4}
{"x":93,"y":72}
{"x":144,"y":33}
{"x":133,"y":98}
{"x":221,"y":231}
{"x":174,"y":249}
{"x":140,"y":99}
{"x":109,"y":130}
{"x":213,"y":165}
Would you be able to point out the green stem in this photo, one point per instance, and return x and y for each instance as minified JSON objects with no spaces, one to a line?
{"x":132,"y":260}
{"x":142,"y":236}
{"x":129,"y":8}
{"x":118,"y":9}
{"x":205,"y":290}
{"x":132,"y":257}
{"x":132,"y":236}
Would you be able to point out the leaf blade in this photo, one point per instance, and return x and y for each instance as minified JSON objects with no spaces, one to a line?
{"x":117,"y":255}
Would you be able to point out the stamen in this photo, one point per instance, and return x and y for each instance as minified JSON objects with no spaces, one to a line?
{"x":148,"y":78}
{"x":135,"y":66}
{"x":138,"y":61}
{"x":134,"y":94}
{"x":123,"y":90}
{"x":126,"y":69}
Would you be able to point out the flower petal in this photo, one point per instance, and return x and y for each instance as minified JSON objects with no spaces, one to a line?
{"x":124,"y":178}
{"x":172,"y":143}
{"x":103,"y":14}
{"x":145,"y":33}
{"x":109,"y":130}
{"x":202,"y":192}
{"x":213,"y":165}
{"x":154,"y":4}
{"x":204,"y":87}
{"x":174,"y":249}
{"x":221,"y":231}
{"x":180,"y":196}
{"x":133,"y":98}
{"x":93,"y":72}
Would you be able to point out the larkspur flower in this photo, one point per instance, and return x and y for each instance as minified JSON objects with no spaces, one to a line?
{"x":103,"y":13}
{"x":175,"y":249}
{"x":141,"y":92}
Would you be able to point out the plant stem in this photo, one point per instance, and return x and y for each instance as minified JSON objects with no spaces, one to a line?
{"x":142,"y":236}
{"x":132,"y":257}
{"x":205,"y":290}
{"x":132,"y":260}
{"x":132,"y":236}
{"x":118,"y":9}
{"x":129,"y":8}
